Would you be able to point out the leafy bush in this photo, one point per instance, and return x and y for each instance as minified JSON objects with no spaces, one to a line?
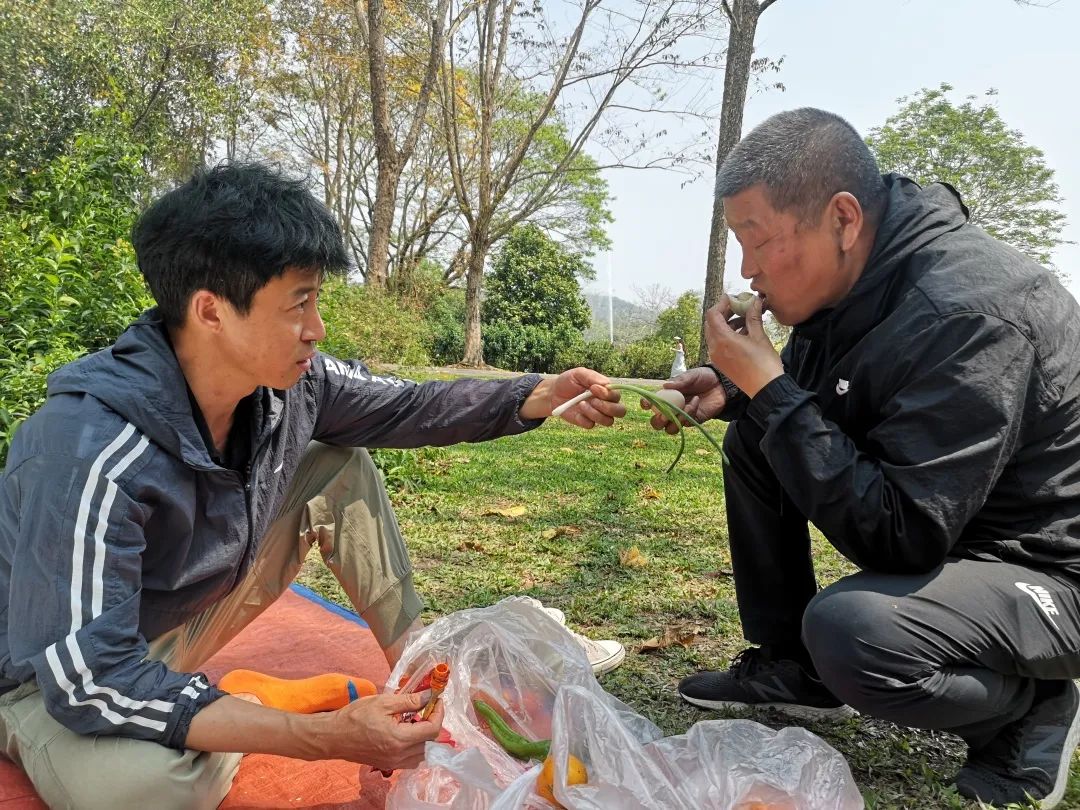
{"x":368,"y":324}
{"x":68,"y":279}
{"x":534,"y":312}
{"x":531,"y":348}
{"x":446,"y":327}
{"x":681,"y":320}
{"x":650,"y":359}
{"x":603,"y":357}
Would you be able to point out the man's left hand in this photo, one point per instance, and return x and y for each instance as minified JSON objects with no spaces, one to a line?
{"x":745,"y":355}
{"x":602,"y":409}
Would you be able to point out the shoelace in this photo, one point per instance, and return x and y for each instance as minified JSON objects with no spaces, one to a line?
{"x":747,"y":662}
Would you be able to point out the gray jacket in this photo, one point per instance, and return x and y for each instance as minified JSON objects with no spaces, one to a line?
{"x":116,"y":525}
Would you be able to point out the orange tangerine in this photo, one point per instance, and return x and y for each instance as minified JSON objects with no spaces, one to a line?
{"x":576,"y":774}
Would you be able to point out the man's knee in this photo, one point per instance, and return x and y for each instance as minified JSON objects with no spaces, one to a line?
{"x":855,"y":638}
{"x":90,"y":773}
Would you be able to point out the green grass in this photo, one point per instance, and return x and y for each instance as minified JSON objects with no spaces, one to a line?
{"x":587,"y":496}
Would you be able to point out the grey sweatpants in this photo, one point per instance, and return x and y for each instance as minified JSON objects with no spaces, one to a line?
{"x":959,"y":648}
{"x":337,"y":501}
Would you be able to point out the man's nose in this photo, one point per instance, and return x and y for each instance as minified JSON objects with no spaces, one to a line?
{"x":747,"y":267}
{"x":314,"y":329}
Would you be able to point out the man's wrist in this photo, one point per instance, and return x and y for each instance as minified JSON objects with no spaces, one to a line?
{"x":730,"y":389}
{"x":537,"y":404}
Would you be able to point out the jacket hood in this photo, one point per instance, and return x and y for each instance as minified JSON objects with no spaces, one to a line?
{"x":139,"y":378}
{"x":914,"y":217}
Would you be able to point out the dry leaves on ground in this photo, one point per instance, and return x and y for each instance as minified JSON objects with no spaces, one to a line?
{"x":471,"y":545}
{"x":682,"y":635}
{"x":560,"y":531}
{"x":506,"y":511}
{"x":632,"y":558}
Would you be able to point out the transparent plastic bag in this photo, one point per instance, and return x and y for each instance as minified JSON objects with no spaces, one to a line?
{"x":532,"y":671}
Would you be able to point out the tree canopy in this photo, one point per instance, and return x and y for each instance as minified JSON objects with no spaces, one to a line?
{"x":534,"y":282}
{"x":1004,"y":181}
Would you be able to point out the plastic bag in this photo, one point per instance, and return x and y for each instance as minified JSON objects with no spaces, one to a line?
{"x":534,"y":673}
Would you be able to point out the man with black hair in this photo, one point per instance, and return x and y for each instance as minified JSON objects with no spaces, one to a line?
{"x":170,"y":487}
{"x":925,"y":417}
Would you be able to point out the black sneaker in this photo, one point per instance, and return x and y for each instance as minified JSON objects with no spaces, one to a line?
{"x":1028,"y":759}
{"x":756,"y":680}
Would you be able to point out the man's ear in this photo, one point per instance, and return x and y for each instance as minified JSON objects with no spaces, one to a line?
{"x":846,"y":219}
{"x":205,"y":310}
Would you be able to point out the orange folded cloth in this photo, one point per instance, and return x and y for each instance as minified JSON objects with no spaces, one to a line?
{"x":320,"y":693}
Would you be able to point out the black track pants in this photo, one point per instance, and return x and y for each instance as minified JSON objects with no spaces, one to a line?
{"x":959,"y":648}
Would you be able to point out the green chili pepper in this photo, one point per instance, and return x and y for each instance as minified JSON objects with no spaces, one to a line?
{"x":512,"y":742}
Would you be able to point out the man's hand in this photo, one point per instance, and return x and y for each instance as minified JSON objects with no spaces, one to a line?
{"x":602,"y":409}
{"x":370,"y":731}
{"x":705,"y":398}
{"x":746,"y":356}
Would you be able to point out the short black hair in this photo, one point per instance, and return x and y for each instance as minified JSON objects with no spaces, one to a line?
{"x":803,"y":157}
{"x":231,"y":229}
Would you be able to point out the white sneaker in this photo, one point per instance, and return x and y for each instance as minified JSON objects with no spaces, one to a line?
{"x":603,"y":655}
{"x":554,"y":613}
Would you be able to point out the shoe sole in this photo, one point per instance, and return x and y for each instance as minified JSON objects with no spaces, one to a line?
{"x":1071,"y":741}
{"x":799,"y":710}
{"x":608,"y":664}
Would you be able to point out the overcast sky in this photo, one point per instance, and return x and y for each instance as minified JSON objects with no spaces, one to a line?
{"x":855,"y":58}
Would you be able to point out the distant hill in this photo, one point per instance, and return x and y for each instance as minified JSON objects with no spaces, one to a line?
{"x":631,"y":321}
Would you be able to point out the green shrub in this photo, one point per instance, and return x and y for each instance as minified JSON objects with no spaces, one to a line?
{"x":68,"y":279}
{"x":531,"y":348}
{"x":604,"y":357}
{"x":650,"y":359}
{"x":446,"y":327}
{"x":371,"y":325}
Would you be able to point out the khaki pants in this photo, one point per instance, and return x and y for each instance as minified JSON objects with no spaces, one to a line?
{"x":336,"y":500}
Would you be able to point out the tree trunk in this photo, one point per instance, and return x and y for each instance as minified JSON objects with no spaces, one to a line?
{"x":474,"y":347}
{"x":740,"y":52}
{"x":382,"y":221}
{"x":387,"y":172}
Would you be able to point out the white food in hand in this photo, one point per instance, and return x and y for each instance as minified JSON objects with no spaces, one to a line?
{"x":740,"y":302}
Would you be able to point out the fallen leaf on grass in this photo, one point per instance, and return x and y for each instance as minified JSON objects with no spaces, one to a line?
{"x":638,"y":444}
{"x":632,"y":558}
{"x":682,"y":636}
{"x":719,"y":574}
{"x":701,"y":451}
{"x":650,"y":493}
{"x":508,"y":511}
{"x":559,"y":531}
{"x":471,"y":545}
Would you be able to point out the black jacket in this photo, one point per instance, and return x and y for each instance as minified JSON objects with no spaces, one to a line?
{"x":935,"y":411}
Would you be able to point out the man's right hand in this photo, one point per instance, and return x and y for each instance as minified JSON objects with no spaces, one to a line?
{"x":705,"y":398}
{"x":370,"y":731}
